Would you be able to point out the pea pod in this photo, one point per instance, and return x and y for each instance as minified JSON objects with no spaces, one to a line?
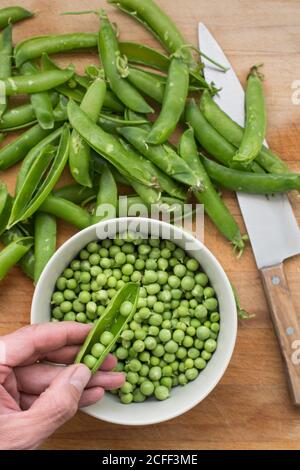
{"x":27,"y":261}
{"x":34,"y":190}
{"x":13,"y":14}
{"x":256,"y":120}
{"x":5,"y":55}
{"x":233,"y":133}
{"x":110,"y":57}
{"x":41,"y":102}
{"x":213,"y":204}
{"x":173,"y":105}
{"x":111,"y":320}
{"x":79,"y":158}
{"x":36,"y":83}
{"x":18,"y":149}
{"x":128,"y":204}
{"x":33,"y":48}
{"x":75,"y":193}
{"x":21,"y":116}
{"x":12,"y":253}
{"x":110,"y":148}
{"x":44,"y":241}
{"x":251,"y":182}
{"x":5,"y":206}
{"x":66,"y":210}
{"x":144,"y":55}
{"x":161,"y":155}
{"x":107,"y":198}
{"x":212,"y":141}
{"x":147,"y":84}
{"x":34,"y":153}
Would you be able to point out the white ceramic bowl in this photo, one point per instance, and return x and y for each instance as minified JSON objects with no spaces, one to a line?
{"x":184,"y":398}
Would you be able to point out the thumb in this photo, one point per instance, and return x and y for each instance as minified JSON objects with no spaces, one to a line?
{"x":60,"y":400}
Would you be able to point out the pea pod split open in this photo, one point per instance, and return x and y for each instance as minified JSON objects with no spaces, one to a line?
{"x":111,"y":320}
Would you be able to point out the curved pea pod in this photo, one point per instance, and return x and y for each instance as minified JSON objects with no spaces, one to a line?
{"x":161,"y":155}
{"x":13,"y":14}
{"x":233,"y":133}
{"x":256,"y":119}
{"x":213,"y":204}
{"x":110,"y":57}
{"x":173,"y":105}
{"x":127,"y":162}
{"x":107,"y":198}
{"x":66,"y":210}
{"x":251,"y":182}
{"x":79,"y":158}
{"x":35,"y":189}
{"x":111,"y":320}
{"x":44,"y":241}
{"x":144,"y":55}
{"x":12,"y":253}
{"x":41,"y":102}
{"x":212,"y":141}
{"x":5,"y":55}
{"x":27,"y":261}
{"x":18,"y":149}
{"x":34,"y":47}
{"x":34,"y":153}
{"x":36,"y":83}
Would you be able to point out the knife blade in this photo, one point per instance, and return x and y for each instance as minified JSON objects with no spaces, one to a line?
{"x":270,"y":222}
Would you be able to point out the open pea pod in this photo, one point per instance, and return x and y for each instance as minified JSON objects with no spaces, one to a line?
{"x":40,"y":180}
{"x":111,"y":320}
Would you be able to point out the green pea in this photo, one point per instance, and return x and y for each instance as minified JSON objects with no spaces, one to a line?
{"x":150,"y":343}
{"x":147,"y":388}
{"x":155,"y":373}
{"x":153,"y":330}
{"x":134,"y":365}
{"x":158,"y":351}
{"x":188,"y":341}
{"x":57,"y":313}
{"x":171,"y":347}
{"x":66,"y":306}
{"x":180,"y":270}
{"x":187,"y":283}
{"x":154,"y":361}
{"x":210,"y":345}
{"x":205,"y":355}
{"x":81,"y":317}
{"x":174,"y":281}
{"x":203,"y":333}
{"x":84,"y":297}
{"x":161,"y":392}
{"x":199,"y":344}
{"x":144,"y":356}
{"x":169,"y":358}
{"x":57,"y":298}
{"x":153,"y":289}
{"x":167,"y":371}
{"x":85,"y":266}
{"x":155,"y":319}
{"x":200,"y":363}
{"x":84,"y":254}
{"x":126,"y":398}
{"x":144,"y":370}
{"x":178,"y":336}
{"x":68,"y":273}
{"x":89,"y":361}
{"x":61,"y":283}
{"x":138,"y":396}
{"x":126,"y":388}
{"x":97,"y":350}
{"x":193,"y":353}
{"x":211,"y":304}
{"x":126,"y":308}
{"x":132,"y":377}
{"x":138,"y":345}
{"x":78,"y":306}
{"x":106,"y":338}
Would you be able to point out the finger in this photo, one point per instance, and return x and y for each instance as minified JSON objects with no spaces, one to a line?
{"x":89,"y":397}
{"x":36,"y":378}
{"x":67,"y":354}
{"x":36,"y":341}
{"x":59,"y":402}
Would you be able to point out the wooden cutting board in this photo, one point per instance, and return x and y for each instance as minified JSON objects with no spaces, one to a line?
{"x":250,"y":408}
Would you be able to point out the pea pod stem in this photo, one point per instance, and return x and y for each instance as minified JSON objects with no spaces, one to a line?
{"x":111,"y":320}
{"x":12,"y":253}
{"x":256,"y":121}
{"x":250,"y":182}
{"x":213,"y":204}
{"x":79,"y":158}
{"x":44,"y":241}
{"x":233,"y":133}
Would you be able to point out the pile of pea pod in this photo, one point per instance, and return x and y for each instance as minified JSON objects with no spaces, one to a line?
{"x":112,"y":126}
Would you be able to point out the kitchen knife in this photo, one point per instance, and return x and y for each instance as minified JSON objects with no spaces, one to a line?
{"x":270,"y":222}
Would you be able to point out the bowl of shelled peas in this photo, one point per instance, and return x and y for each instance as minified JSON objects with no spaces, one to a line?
{"x":162,"y":305}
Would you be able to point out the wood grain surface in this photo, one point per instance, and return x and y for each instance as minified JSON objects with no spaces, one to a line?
{"x":251,"y":407}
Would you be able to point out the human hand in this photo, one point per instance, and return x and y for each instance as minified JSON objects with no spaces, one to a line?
{"x":36,"y":398}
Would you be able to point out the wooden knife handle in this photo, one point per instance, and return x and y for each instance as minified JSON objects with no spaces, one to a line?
{"x":286,"y":323}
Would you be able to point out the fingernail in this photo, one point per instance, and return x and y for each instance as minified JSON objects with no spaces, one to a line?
{"x":80,"y":377}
